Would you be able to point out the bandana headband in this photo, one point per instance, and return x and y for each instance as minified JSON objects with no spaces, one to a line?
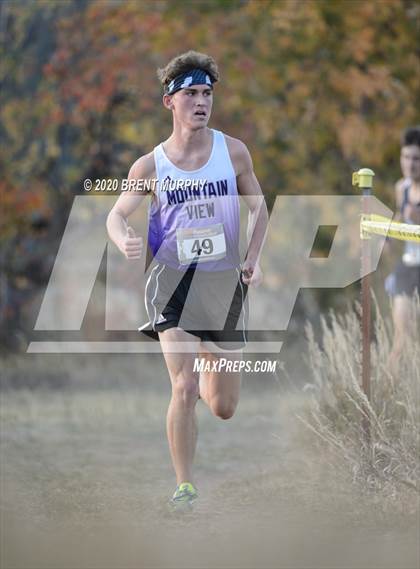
{"x":193,"y":77}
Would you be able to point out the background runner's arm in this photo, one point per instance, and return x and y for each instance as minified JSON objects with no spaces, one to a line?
{"x":128,"y":202}
{"x":250,"y":189}
{"x":390,"y":243}
{"x":399,"y":197}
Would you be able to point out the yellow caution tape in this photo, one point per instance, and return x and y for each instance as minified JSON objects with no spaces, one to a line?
{"x":384,"y":226}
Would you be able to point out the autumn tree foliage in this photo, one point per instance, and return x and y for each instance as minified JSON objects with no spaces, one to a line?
{"x":315,"y":88}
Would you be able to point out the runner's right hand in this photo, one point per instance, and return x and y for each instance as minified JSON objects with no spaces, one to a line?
{"x":131,"y":246}
{"x":412,"y":211}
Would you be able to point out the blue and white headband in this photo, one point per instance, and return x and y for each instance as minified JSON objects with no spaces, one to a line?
{"x":193,"y":77}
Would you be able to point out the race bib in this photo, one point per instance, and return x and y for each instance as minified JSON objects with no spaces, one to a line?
{"x":201,"y":244}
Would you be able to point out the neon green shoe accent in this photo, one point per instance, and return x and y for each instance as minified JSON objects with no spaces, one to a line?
{"x":184,"y":493}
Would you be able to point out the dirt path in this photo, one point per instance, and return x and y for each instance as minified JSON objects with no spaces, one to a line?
{"x":86,"y":474}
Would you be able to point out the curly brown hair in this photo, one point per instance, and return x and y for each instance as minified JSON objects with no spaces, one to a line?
{"x":186,"y":61}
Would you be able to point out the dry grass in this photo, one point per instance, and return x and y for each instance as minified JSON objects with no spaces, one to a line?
{"x":388,"y":463}
{"x":86,"y":474}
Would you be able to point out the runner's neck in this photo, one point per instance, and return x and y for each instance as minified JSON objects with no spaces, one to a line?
{"x":189,"y":149}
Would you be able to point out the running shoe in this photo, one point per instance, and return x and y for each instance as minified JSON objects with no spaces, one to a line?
{"x":184,"y":496}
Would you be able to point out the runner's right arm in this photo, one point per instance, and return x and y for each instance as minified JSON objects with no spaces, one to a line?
{"x":399,"y":196}
{"x":118,"y":229}
{"x":390,"y":244}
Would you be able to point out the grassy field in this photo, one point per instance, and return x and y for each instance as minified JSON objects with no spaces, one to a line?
{"x":86,"y":473}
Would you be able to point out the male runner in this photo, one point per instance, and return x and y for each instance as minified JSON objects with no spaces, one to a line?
{"x":405,"y":279}
{"x":196,"y":292}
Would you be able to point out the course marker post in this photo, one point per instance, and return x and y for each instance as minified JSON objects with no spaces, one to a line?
{"x":364,"y":180}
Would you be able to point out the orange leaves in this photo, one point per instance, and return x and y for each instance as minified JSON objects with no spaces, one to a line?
{"x":311,"y":86}
{"x":354,"y":84}
{"x":353,"y":135}
{"x":17,"y":205}
{"x":99,"y":55}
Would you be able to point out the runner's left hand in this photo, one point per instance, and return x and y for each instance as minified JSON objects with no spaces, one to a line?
{"x":251,"y":274}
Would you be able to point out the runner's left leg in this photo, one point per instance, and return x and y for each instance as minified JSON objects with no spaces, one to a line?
{"x":401,"y":313}
{"x":220,"y":389}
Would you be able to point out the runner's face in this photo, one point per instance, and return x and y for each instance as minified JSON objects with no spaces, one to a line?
{"x":410,"y":162}
{"x":192,"y":106}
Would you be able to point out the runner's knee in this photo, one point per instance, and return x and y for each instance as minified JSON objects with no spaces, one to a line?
{"x":224,"y":409}
{"x":185,"y":389}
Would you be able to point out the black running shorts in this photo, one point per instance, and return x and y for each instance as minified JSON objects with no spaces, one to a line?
{"x":212,"y":305}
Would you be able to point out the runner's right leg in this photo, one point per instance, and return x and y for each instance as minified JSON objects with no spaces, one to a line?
{"x":181,"y":419}
{"x":401,"y":309}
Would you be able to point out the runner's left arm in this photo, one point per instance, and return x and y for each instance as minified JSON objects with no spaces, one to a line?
{"x":250,"y":189}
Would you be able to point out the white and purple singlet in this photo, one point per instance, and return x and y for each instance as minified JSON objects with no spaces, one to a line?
{"x":194,"y":220}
